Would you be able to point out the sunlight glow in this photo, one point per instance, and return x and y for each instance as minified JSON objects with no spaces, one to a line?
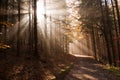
{"x":40,"y":9}
{"x":89,"y":77}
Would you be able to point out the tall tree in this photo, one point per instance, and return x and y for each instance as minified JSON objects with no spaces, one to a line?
{"x":35,"y":29}
{"x":18,"y":30}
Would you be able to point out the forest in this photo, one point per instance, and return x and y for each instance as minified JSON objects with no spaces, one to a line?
{"x":53,"y":39}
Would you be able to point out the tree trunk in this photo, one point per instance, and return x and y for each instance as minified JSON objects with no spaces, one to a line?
{"x":18,"y":31}
{"x":93,"y":41}
{"x":35,"y":30}
{"x":118,"y":19}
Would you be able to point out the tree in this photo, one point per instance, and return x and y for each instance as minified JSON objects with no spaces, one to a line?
{"x":96,"y":18}
{"x":35,"y":29}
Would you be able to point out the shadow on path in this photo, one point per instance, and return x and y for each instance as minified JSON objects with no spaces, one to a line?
{"x":86,"y":68}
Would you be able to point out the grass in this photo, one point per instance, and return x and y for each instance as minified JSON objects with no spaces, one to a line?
{"x":63,"y":72}
{"x":114,"y":70}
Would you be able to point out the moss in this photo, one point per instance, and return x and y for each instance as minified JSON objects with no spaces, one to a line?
{"x":63,"y":72}
{"x":114,"y":70}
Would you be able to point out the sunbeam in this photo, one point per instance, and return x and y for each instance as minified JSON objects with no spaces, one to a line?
{"x":40,"y":10}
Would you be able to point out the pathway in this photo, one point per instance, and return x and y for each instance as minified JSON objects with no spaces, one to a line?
{"x":86,"y":68}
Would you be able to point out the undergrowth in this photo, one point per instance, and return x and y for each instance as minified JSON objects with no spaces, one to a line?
{"x":114,"y":70}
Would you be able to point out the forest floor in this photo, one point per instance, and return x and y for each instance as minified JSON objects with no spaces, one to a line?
{"x":57,"y":67}
{"x":86,"y":68}
{"x":26,"y":66}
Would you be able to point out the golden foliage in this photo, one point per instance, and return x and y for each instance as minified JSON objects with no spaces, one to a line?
{"x":6,"y":23}
{"x":4,"y":46}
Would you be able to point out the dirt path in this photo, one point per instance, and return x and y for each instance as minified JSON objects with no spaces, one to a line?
{"x":86,"y":68}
